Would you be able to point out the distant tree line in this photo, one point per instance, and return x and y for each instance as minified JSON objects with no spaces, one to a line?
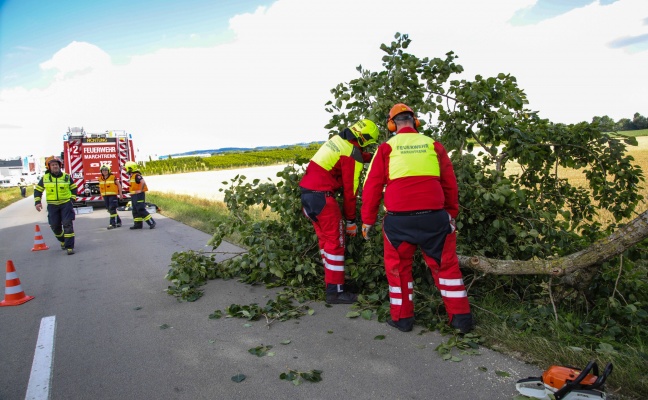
{"x":624,"y":124}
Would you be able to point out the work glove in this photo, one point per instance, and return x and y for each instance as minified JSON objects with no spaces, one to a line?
{"x":351,"y":228}
{"x":365,"y":231}
{"x":453,"y":223}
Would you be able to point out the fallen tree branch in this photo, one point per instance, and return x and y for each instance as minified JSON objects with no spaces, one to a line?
{"x":602,"y":250}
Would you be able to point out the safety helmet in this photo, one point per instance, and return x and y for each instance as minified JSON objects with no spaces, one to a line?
{"x":131,"y":166}
{"x":365,"y":131}
{"x":399,"y":109}
{"x":49,"y":159}
{"x":105,"y":166}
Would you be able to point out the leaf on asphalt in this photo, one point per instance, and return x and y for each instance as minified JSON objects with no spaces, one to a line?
{"x":238,"y":378}
{"x":247,"y":325}
{"x":329,"y":332}
{"x":447,"y":356}
{"x":212,"y":341}
{"x":353,"y":314}
{"x":379,"y":337}
{"x":164,"y":326}
{"x":137,"y":308}
{"x":502,"y":373}
{"x":482,"y":369}
{"x":455,"y":358}
{"x":311,"y":311}
{"x":420,"y":346}
{"x":367,"y":314}
{"x":287,"y":341}
{"x":216,"y":314}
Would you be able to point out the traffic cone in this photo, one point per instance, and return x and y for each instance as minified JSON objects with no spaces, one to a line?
{"x":14,"y":295}
{"x":39,"y":243}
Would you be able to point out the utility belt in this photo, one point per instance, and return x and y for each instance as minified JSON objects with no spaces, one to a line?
{"x":325,"y":193}
{"x":410,"y":213}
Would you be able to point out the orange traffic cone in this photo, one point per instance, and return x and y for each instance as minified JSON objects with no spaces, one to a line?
{"x":39,"y":243}
{"x":14,"y":295}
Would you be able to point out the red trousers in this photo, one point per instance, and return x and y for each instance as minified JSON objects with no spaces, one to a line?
{"x":398,"y":267}
{"x":330,"y":231}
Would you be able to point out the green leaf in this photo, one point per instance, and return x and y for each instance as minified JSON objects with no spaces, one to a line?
{"x":287,"y":341}
{"x":311,"y":311}
{"x":216,"y":314}
{"x":367,"y":314}
{"x":482,"y":369}
{"x":164,"y":326}
{"x":238,"y":378}
{"x":502,"y":373}
{"x":379,"y":337}
{"x":352,"y":314}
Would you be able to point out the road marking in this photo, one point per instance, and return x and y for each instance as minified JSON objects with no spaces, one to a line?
{"x":41,"y":372}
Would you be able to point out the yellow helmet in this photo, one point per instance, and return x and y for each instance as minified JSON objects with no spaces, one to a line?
{"x":131,"y":167}
{"x":105,"y":166}
{"x":365,"y":131}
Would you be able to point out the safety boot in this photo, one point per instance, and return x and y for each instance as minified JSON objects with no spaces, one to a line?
{"x":151,"y":223}
{"x":70,"y":252}
{"x":335,"y":294}
{"x":62,"y":245}
{"x":464,"y":322}
{"x":403,"y":324}
{"x":136,"y":226}
{"x":111,"y":227}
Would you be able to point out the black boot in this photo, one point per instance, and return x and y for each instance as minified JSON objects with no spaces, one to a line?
{"x":464,"y":322}
{"x":335,"y":294}
{"x":403,"y":324}
{"x":138,"y":225}
{"x":151,"y":223}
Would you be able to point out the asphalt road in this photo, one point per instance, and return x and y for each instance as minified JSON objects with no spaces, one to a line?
{"x":109,"y":305}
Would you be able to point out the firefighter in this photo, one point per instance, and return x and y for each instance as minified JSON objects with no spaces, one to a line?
{"x":111,"y":191}
{"x":138,"y":191}
{"x":23,"y":187}
{"x":421,"y":203}
{"x":60,"y":192}
{"x":336,"y":165}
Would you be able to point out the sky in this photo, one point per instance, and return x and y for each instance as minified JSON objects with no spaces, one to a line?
{"x":206,"y":74}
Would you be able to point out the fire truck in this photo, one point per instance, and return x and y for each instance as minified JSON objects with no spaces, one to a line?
{"x":84,"y":154}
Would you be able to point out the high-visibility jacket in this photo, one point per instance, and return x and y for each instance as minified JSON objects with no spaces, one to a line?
{"x":137,"y":184}
{"x":416,"y":174}
{"x":58,"y":189}
{"x":108,"y":186}
{"x":337,"y":164}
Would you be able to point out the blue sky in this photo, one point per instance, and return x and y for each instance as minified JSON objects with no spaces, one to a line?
{"x":172,"y":72}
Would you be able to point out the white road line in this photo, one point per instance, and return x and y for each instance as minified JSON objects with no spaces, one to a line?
{"x":41,"y":373}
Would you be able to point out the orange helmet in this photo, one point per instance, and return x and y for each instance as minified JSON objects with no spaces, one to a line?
{"x":399,"y":109}
{"x":49,"y":159}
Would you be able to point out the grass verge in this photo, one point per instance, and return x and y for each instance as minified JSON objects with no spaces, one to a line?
{"x":11,"y":195}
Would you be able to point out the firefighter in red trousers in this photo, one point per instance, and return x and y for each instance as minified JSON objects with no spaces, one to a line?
{"x":421,"y":202}
{"x":336,"y":165}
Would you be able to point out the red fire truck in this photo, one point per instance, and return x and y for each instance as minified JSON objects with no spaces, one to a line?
{"x":84,"y":154}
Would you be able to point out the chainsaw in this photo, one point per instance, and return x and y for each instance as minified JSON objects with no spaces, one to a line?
{"x":566,"y":383}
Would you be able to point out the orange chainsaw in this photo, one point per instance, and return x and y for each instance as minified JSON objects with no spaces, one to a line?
{"x":566,"y":383}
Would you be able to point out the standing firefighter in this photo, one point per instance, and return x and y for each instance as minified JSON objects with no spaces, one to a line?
{"x":111,"y":191}
{"x":421,"y":202}
{"x":60,"y":191}
{"x":138,"y":191}
{"x":336,"y":165}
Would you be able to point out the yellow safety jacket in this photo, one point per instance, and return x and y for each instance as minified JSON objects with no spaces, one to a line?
{"x":108,"y":186}
{"x":58,"y":190}
{"x":136,"y":187}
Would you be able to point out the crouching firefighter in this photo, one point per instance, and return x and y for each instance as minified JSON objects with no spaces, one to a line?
{"x":138,"y":191}
{"x":60,"y":191}
{"x":336,"y":165}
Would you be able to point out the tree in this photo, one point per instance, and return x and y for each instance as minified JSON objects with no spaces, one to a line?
{"x":515,"y":204}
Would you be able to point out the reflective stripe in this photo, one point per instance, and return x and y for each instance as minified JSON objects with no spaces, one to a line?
{"x":12,"y":275}
{"x":410,"y":285}
{"x":451,"y":282}
{"x":410,"y":297}
{"x":454,"y":293}
{"x":333,"y":267}
{"x":13,"y":289}
{"x":333,"y":257}
{"x":396,"y":302}
{"x":395,"y":289}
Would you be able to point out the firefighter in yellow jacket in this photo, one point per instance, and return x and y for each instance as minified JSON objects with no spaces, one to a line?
{"x":60,"y":191}
{"x":138,"y":191}
{"x":111,"y":191}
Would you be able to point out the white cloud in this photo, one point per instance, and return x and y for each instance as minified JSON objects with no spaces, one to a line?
{"x":269,"y":85}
